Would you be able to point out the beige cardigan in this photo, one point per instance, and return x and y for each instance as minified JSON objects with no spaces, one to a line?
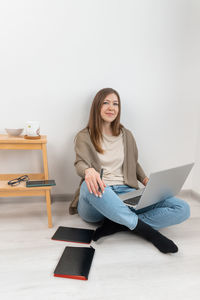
{"x":86,"y":157}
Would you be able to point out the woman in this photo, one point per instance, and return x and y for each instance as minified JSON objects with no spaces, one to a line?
{"x":107,"y":144}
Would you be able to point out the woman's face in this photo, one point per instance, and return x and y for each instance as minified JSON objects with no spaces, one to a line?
{"x":110,"y":108}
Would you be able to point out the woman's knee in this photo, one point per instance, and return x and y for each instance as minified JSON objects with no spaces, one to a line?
{"x":186,"y":210}
{"x":183,"y":209}
{"x":84,"y":189}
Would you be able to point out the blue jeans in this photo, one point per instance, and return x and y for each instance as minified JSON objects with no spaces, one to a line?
{"x":162,"y":214}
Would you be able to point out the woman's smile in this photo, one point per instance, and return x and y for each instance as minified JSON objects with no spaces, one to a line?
{"x":109,"y":114}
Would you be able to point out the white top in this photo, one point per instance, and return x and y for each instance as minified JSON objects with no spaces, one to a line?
{"x":112,"y":159}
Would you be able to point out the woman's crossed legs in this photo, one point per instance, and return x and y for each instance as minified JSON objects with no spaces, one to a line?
{"x":162,"y":214}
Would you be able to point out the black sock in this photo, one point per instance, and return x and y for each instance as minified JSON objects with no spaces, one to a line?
{"x":142,"y":229}
{"x":108,"y":227}
{"x":155,"y":237}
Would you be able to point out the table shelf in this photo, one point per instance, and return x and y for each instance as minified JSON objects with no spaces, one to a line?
{"x":20,"y":143}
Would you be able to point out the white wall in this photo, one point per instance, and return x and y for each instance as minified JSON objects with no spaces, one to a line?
{"x":190,"y":80}
{"x":55,"y":55}
{"x":196,"y":172}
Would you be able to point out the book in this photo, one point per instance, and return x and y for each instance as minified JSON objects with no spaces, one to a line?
{"x":70,"y":234}
{"x":37,"y":183}
{"x":75,"y":263}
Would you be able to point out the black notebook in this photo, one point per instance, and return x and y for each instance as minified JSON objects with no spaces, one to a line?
{"x":69,"y":234}
{"x":75,"y":263}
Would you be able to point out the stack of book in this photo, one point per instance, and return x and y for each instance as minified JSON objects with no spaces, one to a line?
{"x":75,"y":262}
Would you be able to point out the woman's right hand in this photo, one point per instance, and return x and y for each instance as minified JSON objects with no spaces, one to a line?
{"x":92,"y":179}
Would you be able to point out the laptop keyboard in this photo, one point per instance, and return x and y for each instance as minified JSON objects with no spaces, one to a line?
{"x":132,"y":201}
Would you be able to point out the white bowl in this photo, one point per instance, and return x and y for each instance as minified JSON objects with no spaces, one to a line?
{"x":14,"y":132}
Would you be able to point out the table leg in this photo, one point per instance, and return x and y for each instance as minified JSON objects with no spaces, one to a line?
{"x":48,"y":202}
{"x":45,"y":162}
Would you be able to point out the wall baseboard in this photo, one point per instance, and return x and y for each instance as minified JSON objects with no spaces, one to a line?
{"x":61,"y":197}
{"x":185,"y":193}
{"x":68,"y":197}
{"x":195,"y":195}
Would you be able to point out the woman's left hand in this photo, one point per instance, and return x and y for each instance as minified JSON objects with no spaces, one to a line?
{"x":145,"y":181}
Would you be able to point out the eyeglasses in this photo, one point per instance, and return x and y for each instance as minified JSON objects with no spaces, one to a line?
{"x":17,"y":181}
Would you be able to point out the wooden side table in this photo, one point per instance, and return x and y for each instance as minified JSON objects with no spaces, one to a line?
{"x":20,"y":143}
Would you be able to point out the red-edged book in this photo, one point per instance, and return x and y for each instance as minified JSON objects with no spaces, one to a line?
{"x":75,"y":263}
{"x":70,"y":234}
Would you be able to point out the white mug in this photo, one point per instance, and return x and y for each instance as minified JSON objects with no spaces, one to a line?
{"x":32,"y":128}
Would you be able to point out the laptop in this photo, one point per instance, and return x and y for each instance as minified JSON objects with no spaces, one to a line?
{"x":161,"y":185}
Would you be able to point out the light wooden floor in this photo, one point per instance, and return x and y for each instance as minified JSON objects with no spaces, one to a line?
{"x":124,"y":266}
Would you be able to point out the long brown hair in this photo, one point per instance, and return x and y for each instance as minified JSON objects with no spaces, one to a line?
{"x":95,"y":121}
